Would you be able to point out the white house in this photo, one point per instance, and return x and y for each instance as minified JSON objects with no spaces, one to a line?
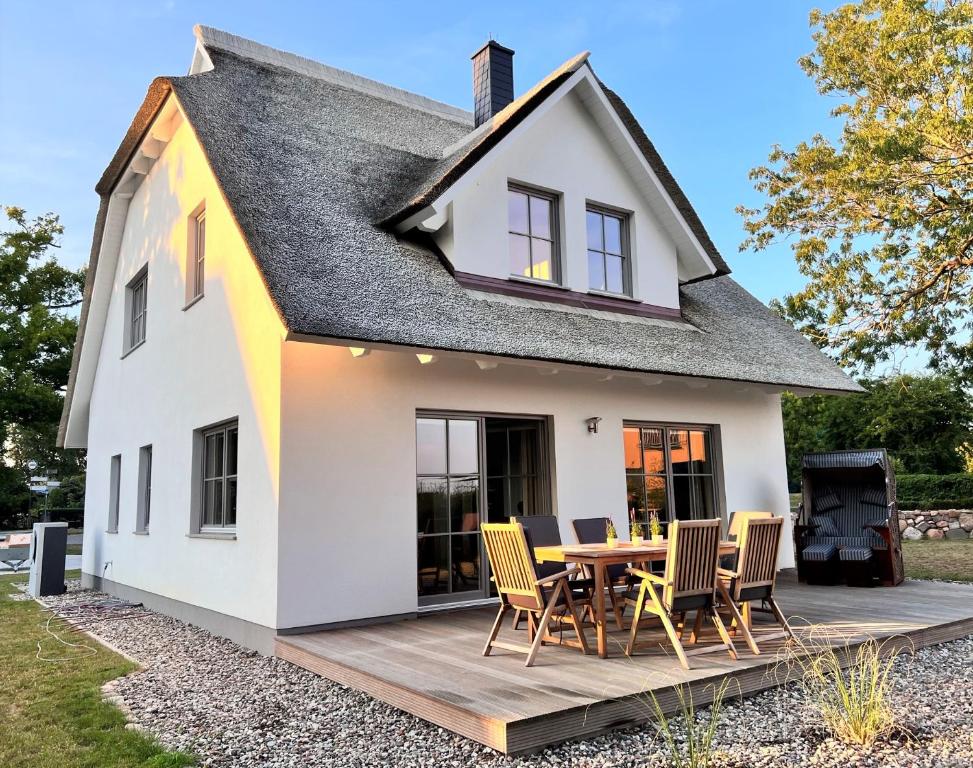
{"x":331,"y":326}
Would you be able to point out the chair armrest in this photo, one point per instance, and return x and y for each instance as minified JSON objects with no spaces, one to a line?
{"x":647,"y":576}
{"x":557,"y":576}
{"x":726,"y":573}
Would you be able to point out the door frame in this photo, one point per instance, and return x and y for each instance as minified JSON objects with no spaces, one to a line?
{"x":473,"y":597}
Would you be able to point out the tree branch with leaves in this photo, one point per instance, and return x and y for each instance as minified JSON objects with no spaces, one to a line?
{"x":881,"y":220}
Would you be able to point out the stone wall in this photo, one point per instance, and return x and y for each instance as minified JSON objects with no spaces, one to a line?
{"x":936,"y":524}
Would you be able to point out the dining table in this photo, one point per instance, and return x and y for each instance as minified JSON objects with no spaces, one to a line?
{"x":597,"y":557}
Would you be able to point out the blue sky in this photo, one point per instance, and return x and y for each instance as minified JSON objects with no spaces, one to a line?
{"x":714,"y":84}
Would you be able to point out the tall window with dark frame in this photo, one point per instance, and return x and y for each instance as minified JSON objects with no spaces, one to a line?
{"x":143,"y":508}
{"x":114,"y":492}
{"x":533,"y":234}
{"x":138,"y":304}
{"x":448,"y":505}
{"x":670,"y":471}
{"x":608,"y":252}
{"x":219,"y":477}
{"x":195,"y":268}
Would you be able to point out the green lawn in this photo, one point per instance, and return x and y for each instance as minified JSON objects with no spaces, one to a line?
{"x":51,"y":713}
{"x":942,"y":559}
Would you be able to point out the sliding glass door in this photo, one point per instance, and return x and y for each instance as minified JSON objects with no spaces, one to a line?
{"x":457,"y":457}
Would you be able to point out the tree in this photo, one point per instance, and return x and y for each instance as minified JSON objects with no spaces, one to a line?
{"x":37,"y":334}
{"x":925,"y":422}
{"x":882,"y":220}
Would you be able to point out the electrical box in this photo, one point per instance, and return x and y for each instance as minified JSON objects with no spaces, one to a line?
{"x":48,"y":548}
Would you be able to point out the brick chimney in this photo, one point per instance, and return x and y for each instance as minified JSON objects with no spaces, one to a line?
{"x":493,"y":80}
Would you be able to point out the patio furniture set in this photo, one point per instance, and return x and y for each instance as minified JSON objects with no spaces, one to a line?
{"x":563,"y":589}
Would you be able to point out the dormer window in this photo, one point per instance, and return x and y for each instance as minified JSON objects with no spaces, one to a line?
{"x":533,"y":234}
{"x":608,"y":252}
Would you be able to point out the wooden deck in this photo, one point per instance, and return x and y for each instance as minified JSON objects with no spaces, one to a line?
{"x":432,"y":666}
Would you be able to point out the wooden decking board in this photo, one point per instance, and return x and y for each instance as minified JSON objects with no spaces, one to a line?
{"x":432,"y":666}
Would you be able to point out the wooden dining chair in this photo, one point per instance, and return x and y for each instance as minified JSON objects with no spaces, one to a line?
{"x":689,"y":583}
{"x":544,"y":531}
{"x":545,"y":599}
{"x":754,"y":577}
{"x":737,"y":520}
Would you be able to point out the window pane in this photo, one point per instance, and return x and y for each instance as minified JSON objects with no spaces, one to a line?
{"x":466,"y":562}
{"x":230,"y":502}
{"x":496,"y":452}
{"x":497,"y":508}
{"x":654,"y":457}
{"x":595,"y":241}
{"x":704,"y":507}
{"x":613,"y":274}
{"x":214,"y":455}
{"x":679,"y":451}
{"x":517,"y":211}
{"x":699,"y":452}
{"x":213,"y":502}
{"x":521,"y":452}
{"x":432,"y":501}
{"x":231,"y":450}
{"x":633,"y":457}
{"x":540,"y":217}
{"x":463,"y":442}
{"x":431,"y":446}
{"x":635,"y":488}
{"x":541,"y":256}
{"x":682,"y":497}
{"x":519,"y":504}
{"x":596,"y":271}
{"x":656,"y":498}
{"x":433,"y":565}
{"x":464,"y":496}
{"x":613,"y":234}
{"x":519,"y":255}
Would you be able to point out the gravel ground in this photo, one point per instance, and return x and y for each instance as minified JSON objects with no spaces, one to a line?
{"x":232,"y":707}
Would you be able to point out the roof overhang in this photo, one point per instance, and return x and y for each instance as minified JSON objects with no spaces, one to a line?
{"x":154,"y":126}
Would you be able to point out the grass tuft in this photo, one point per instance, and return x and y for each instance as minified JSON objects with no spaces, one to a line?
{"x":696,"y":750}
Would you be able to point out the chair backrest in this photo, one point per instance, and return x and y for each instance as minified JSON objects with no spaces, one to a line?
{"x":692,"y":559}
{"x":541,"y":531}
{"x":739,"y":518}
{"x":591,"y":530}
{"x":511,"y":564}
{"x":757,"y":564}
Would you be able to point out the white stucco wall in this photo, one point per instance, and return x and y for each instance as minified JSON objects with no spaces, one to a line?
{"x":216,"y":360}
{"x":348,"y":504}
{"x":563,"y":151}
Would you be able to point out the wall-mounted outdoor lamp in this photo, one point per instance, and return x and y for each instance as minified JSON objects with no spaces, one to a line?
{"x":593,"y":424}
{"x":358,"y":351}
{"x":425,"y":359}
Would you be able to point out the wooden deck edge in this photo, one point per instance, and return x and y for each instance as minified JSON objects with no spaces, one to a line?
{"x":531,"y":734}
{"x":485,"y":730}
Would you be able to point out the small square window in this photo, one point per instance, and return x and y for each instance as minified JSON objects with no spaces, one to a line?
{"x":533,"y":234}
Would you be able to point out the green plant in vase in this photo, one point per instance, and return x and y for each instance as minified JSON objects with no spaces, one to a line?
{"x":611,"y":535}
{"x":635,"y":532}
{"x":655,"y":528}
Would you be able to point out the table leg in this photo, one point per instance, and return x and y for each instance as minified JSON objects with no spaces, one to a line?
{"x":600,"y":629}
